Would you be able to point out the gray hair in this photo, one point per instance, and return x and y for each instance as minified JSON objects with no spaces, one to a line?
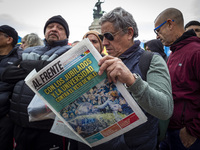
{"x":32,"y":39}
{"x":121,"y":19}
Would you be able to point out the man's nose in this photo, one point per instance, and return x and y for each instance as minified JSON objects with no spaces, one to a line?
{"x":105,"y":42}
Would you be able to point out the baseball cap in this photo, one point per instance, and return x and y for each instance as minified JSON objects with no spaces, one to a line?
{"x":11,"y":32}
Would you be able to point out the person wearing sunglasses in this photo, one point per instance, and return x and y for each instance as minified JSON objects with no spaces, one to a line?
{"x":118,"y":29}
{"x":195,"y":25}
{"x":183,"y":63}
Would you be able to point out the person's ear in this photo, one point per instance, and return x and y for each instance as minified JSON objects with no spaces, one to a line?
{"x":170,"y":23}
{"x":9,"y":40}
{"x":130,"y":33}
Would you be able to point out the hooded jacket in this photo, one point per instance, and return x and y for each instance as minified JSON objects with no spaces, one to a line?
{"x":183,"y":64}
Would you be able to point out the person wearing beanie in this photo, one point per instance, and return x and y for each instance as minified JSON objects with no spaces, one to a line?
{"x":94,"y":37}
{"x":36,"y":135}
{"x":195,"y":25}
{"x":60,"y":20}
{"x":9,"y":54}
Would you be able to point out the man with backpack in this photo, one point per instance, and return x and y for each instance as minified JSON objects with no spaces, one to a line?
{"x":122,"y":64}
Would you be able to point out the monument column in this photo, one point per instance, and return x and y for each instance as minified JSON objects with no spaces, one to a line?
{"x":97,"y":14}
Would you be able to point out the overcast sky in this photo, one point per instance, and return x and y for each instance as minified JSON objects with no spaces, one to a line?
{"x":28,"y":16}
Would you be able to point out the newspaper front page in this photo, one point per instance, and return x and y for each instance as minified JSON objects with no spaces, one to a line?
{"x":93,"y":110}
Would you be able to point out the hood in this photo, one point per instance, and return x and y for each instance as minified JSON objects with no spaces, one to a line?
{"x":156,"y":45}
{"x":187,"y":37}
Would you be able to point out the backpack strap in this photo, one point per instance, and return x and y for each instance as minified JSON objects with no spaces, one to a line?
{"x":144,"y":63}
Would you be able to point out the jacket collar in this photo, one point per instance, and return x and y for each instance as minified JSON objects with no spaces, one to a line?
{"x":183,"y":40}
{"x":56,"y":43}
{"x":131,"y":50}
{"x":185,"y":35}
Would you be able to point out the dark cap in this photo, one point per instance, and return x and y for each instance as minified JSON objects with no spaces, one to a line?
{"x":191,"y":23}
{"x":58,"y":19}
{"x":11,"y":32}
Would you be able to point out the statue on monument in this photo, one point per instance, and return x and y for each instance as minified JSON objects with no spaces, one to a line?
{"x":98,"y":13}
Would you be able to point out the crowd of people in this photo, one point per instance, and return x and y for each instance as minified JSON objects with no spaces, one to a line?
{"x":170,"y":89}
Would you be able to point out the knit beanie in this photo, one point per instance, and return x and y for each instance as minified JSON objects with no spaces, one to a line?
{"x":96,"y":33}
{"x":58,"y":19}
{"x":11,"y":32}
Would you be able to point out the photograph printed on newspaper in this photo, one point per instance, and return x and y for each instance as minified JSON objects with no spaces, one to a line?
{"x":92,"y":108}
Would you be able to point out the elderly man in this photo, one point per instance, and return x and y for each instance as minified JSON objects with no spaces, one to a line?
{"x":36,"y":135}
{"x":9,"y":54}
{"x":183,"y":64}
{"x":154,"y":95}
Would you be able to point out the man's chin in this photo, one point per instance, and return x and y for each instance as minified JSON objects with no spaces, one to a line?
{"x":110,"y":53}
{"x":53,"y":38}
{"x":51,"y":41}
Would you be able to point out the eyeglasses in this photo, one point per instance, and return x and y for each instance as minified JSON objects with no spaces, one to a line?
{"x":109,"y":35}
{"x":156,"y":29}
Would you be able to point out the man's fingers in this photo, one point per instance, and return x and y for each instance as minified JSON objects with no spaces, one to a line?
{"x":107,"y":57}
{"x":104,"y":63}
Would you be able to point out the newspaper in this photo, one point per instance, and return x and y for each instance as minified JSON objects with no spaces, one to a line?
{"x":93,"y":110}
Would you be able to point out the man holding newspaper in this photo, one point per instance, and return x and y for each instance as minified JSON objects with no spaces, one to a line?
{"x":154,"y":95}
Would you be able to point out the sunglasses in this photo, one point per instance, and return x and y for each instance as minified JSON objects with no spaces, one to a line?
{"x":109,"y":36}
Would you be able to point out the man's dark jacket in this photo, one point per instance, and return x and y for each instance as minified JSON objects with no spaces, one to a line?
{"x":6,"y":88}
{"x":22,"y":94}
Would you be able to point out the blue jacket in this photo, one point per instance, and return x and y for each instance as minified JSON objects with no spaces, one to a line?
{"x":5,"y":88}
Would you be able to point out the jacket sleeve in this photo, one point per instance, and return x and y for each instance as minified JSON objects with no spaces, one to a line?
{"x":29,"y":65}
{"x":193,"y":126}
{"x":13,"y":74}
{"x":155,"y":95}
